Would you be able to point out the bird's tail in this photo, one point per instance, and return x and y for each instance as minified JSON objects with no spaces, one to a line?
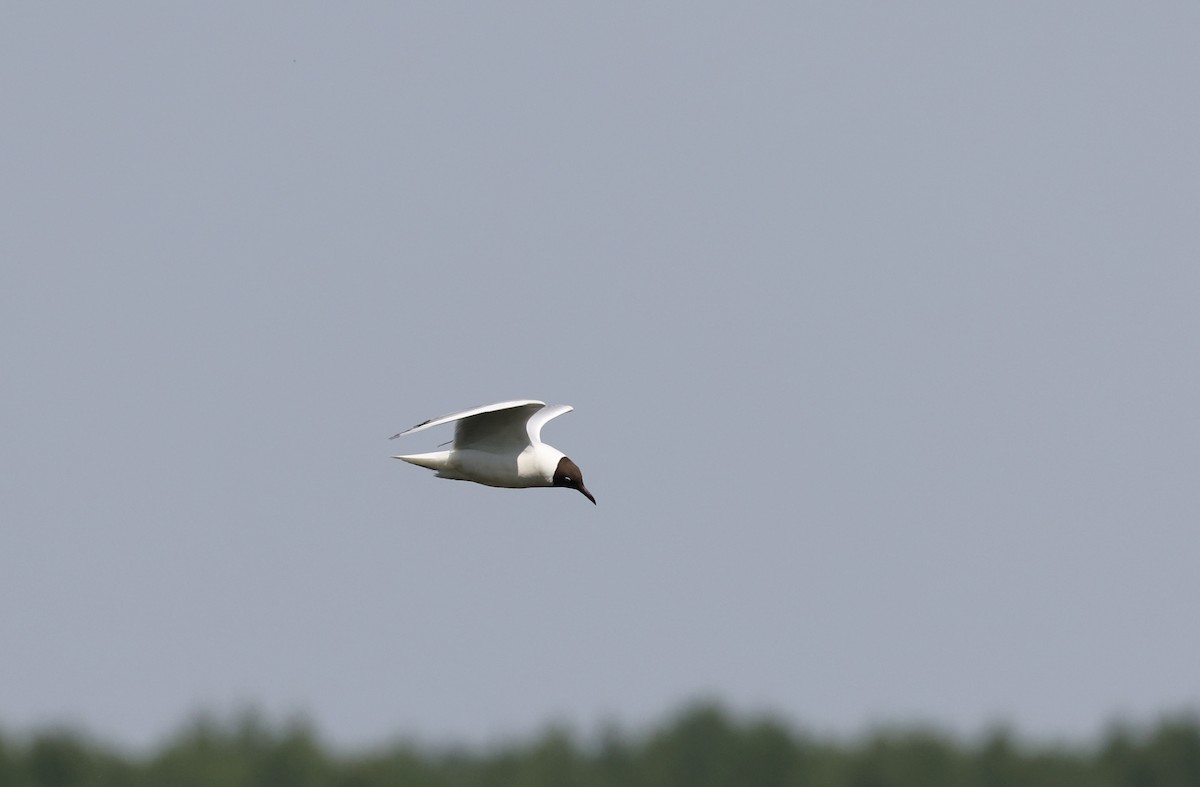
{"x":437,"y":460}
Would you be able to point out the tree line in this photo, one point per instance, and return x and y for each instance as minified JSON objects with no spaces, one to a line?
{"x":703,"y":746}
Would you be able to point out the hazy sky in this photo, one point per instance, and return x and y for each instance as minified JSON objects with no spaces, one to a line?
{"x":882,"y":326}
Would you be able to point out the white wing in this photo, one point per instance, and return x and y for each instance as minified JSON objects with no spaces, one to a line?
{"x":501,"y":425}
{"x":539,"y":419}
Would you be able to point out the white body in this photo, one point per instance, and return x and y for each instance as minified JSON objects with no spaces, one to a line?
{"x":533,"y":466}
{"x":496,"y":444}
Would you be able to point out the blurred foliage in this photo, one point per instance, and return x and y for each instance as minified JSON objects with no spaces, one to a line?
{"x":704,"y":746}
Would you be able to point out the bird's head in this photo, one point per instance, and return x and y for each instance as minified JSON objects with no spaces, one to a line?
{"x":569,"y":475}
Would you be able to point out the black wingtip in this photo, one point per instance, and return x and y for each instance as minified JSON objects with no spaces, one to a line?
{"x":409,"y":429}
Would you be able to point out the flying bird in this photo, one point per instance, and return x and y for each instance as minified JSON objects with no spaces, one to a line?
{"x":501,"y":445}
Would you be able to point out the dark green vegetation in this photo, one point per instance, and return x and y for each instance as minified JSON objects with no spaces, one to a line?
{"x":703,"y":746}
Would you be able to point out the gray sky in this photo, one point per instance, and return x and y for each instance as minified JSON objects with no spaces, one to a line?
{"x":880,"y":324}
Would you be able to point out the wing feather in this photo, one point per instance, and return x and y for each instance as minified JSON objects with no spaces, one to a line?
{"x":539,"y":419}
{"x":491,"y":425}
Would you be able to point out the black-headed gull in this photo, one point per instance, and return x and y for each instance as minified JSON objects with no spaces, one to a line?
{"x":501,"y":445}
